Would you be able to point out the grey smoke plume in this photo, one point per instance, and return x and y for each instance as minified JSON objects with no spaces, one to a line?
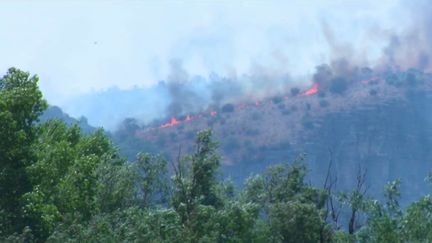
{"x":183,"y":93}
{"x":411,"y":48}
{"x":195,"y":93}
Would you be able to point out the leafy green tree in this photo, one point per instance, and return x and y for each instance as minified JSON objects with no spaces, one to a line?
{"x":292,"y":209}
{"x":129,"y":225}
{"x":70,"y":177}
{"x":296,"y":222}
{"x":151,"y":179}
{"x":60,"y":184}
{"x":417,"y":222}
{"x":384,"y":219}
{"x":21,"y":103}
{"x":195,"y":183}
{"x":115,"y":185}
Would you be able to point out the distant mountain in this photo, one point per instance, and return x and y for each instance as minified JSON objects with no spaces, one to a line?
{"x":382,"y":123}
{"x":55,"y":112}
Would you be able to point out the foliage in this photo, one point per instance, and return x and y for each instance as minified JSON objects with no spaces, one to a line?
{"x":338,"y":85}
{"x":60,"y":184}
{"x":294,"y":91}
{"x":21,"y":104}
{"x":228,"y":108}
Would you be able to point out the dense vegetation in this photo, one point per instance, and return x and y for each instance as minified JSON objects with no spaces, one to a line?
{"x":59,"y":184}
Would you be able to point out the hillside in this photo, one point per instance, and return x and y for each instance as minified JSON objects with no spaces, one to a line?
{"x":55,"y":112}
{"x":381,"y":123}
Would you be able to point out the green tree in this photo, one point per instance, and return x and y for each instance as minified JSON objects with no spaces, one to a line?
{"x":383,"y":219}
{"x":293,"y":211}
{"x":195,"y":182}
{"x":21,"y":104}
{"x":151,"y":178}
{"x":70,"y":177}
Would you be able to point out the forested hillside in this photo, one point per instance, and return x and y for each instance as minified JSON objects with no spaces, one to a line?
{"x":59,"y":184}
{"x":55,"y":112}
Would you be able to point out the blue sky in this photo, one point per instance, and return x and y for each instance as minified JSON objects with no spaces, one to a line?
{"x":80,"y":47}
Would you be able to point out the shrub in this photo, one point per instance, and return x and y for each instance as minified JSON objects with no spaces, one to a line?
{"x":228,"y":108}
{"x":295,"y":91}
{"x":277,"y":100}
{"x":338,"y":86}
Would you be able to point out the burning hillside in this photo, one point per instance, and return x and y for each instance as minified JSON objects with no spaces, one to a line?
{"x":352,"y":121}
{"x":175,"y":121}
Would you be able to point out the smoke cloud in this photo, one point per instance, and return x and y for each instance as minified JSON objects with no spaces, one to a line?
{"x":183,"y":93}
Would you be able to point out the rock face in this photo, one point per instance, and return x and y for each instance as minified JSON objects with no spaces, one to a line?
{"x":391,"y":140}
{"x":384,"y":127}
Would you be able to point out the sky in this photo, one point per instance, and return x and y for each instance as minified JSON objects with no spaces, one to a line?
{"x":83,"y":47}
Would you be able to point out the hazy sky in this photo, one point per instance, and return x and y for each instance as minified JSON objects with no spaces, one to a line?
{"x":77,"y":47}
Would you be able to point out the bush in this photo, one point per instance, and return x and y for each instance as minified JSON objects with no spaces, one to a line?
{"x":228,"y":108}
{"x":295,"y":91}
{"x":277,"y":100}
{"x":338,"y":86}
{"x":394,"y":80}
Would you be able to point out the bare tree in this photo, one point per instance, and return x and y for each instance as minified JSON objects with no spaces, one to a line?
{"x":356,"y":200}
{"x":333,"y":209}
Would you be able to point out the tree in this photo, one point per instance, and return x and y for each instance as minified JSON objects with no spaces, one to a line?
{"x":151,"y":178}
{"x":198,"y":183}
{"x":384,"y":219}
{"x":69,"y":177}
{"x":293,"y":210}
{"x":195,"y":185}
{"x":21,"y":104}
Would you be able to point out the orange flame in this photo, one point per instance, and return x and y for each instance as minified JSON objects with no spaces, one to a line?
{"x":312,"y":90}
{"x":173,"y":122}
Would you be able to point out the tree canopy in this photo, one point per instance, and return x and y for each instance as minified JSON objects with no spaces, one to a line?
{"x":60,"y":184}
